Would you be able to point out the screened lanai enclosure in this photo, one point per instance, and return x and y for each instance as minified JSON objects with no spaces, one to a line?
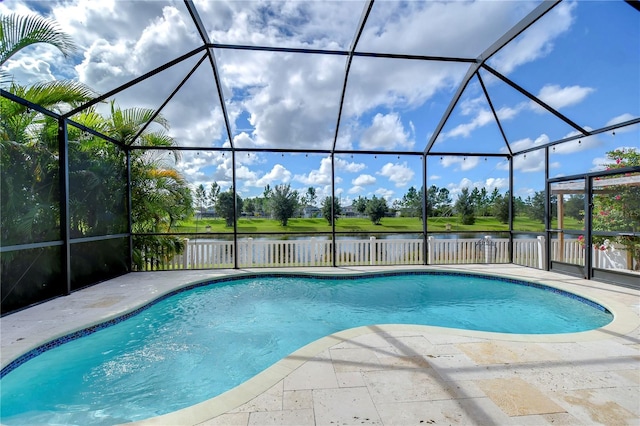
{"x":196,"y":134}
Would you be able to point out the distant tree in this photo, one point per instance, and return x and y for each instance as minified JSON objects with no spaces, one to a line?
{"x":376,"y":209}
{"x":249,"y":206}
{"x":485,"y":207}
{"x":326,"y":209}
{"x":464,"y":208}
{"x":438,"y":201}
{"x":494,"y":195}
{"x":574,"y":207}
{"x":201,"y":198}
{"x":412,"y":202}
{"x":266,"y":198}
{"x":519,"y":205}
{"x":310,"y":197}
{"x":476,"y":200}
{"x":501,"y":208}
{"x":224,"y":206}
{"x":284,"y":203}
{"x":360,"y":204}
{"x":214,"y":191}
{"x":535,"y":209}
{"x":267,"y":192}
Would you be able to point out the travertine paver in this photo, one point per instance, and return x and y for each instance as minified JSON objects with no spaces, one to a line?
{"x":506,"y":352}
{"x":318,"y":373}
{"x":284,"y":417}
{"x":516,"y":397}
{"x":599,"y":406}
{"x":344,"y":406}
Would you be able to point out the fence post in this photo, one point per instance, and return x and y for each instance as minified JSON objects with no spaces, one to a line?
{"x":542,"y":255}
{"x":249,"y":255}
{"x":185,"y":254}
{"x":314,"y":252}
{"x":487,"y":249}
{"x":372,"y":250}
{"x":430,"y":250}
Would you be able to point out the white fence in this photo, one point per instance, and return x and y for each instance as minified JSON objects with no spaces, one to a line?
{"x":205,"y":254}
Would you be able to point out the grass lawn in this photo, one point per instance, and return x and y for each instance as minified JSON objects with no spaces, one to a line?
{"x":388,"y":224}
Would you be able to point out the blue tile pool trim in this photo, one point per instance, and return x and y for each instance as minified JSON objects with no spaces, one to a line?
{"x":97,"y":327}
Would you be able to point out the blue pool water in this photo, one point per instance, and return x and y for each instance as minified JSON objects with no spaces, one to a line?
{"x":199,"y":343}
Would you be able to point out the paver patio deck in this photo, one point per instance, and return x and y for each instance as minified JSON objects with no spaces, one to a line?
{"x":397,"y":374}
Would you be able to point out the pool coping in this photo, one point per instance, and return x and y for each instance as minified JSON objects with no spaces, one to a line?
{"x":624,"y":322}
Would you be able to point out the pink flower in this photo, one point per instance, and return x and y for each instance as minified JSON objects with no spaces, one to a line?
{"x":617,"y":197}
{"x":618,"y":161}
{"x":603,"y":247}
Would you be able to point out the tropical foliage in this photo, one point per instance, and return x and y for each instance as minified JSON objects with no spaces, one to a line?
{"x":20,"y":31}
{"x":617,"y":206}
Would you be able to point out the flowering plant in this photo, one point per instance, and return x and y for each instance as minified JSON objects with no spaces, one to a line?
{"x":616,"y":207}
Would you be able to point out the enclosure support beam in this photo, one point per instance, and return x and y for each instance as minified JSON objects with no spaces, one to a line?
{"x":425,"y":227}
{"x":334,"y":243}
{"x":129,"y":209}
{"x":65,"y":219}
{"x":511,"y":209}
{"x":354,"y":44}
{"x":588,"y":210}
{"x":547,"y":210}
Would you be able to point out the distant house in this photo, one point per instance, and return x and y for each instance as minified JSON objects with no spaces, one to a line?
{"x":208,"y":213}
{"x":311,"y":211}
{"x":349,"y":211}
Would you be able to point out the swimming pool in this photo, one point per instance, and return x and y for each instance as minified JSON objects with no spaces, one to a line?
{"x":187,"y":346}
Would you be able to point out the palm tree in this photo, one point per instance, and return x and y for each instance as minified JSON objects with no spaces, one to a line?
{"x":160,"y":196}
{"x":19,"y":31}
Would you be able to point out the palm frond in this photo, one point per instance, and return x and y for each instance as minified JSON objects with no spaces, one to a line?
{"x":19,"y":31}
{"x":53,"y":94}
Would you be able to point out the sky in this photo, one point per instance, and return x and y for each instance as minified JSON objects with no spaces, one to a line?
{"x":582,"y":59}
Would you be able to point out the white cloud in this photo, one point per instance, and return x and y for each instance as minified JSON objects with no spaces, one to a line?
{"x":384,"y":193}
{"x":559,"y":97}
{"x":489,"y":183}
{"x":322,"y":175}
{"x":530,"y":162}
{"x":386,"y":132}
{"x":399,"y":174}
{"x":482,"y":116}
{"x":278,"y":174}
{"x":581,"y":144}
{"x":463,"y":163}
{"x":348,"y":166}
{"x":356,"y":190}
{"x":537,"y":41}
{"x":621,"y":119}
{"x":363,"y":180}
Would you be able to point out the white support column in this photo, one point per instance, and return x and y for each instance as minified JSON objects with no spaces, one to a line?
{"x":542,"y":255}
{"x":430,"y":250}
{"x":250,"y":251}
{"x":372,"y":250}
{"x":487,"y":249}
{"x":185,"y":254}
